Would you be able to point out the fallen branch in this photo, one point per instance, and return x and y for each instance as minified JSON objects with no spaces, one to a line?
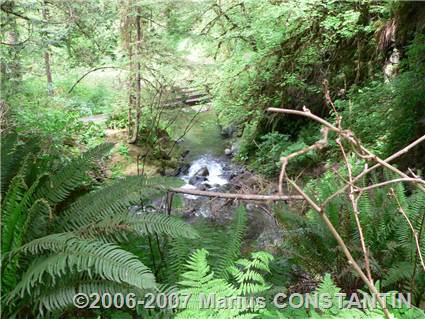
{"x":397,"y":180}
{"x":235,"y":195}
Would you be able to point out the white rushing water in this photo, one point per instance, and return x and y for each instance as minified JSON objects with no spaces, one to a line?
{"x":214,"y":178}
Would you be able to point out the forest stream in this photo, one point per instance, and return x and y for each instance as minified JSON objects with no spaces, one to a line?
{"x":207,"y":167}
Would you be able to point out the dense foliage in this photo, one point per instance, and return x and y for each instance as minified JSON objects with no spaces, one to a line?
{"x":97,"y":98}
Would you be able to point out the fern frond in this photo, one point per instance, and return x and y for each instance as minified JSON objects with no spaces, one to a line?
{"x":199,"y":281}
{"x":140,"y":223}
{"x":73,"y":254}
{"x":198,"y":270}
{"x":101,"y":203}
{"x":12,"y":211}
{"x":200,"y":284}
{"x":62,"y":296}
{"x":179,"y":250}
{"x":328,"y":287}
{"x":397,"y":273}
{"x":231,"y":250}
{"x":13,"y":153}
{"x":37,"y":219}
{"x":109,"y":201}
{"x":58,"y":186}
{"x":248,"y":277}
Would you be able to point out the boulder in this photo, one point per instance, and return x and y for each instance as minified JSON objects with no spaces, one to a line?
{"x":169,"y":172}
{"x":202,"y":172}
{"x":228,"y":152}
{"x":227,"y":132}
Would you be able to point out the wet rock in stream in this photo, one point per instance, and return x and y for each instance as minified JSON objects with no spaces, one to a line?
{"x":203,"y":172}
{"x":220,"y":175}
{"x":228,"y":152}
{"x":228,"y":132}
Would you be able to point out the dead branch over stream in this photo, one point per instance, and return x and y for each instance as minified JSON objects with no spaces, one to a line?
{"x":236,"y":195}
{"x":354,"y":192}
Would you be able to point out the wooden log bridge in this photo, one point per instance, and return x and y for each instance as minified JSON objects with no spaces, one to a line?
{"x":188,"y":97}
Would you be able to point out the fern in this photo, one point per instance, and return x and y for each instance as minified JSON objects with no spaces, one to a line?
{"x":37,"y":220}
{"x":138,"y":224}
{"x":200,"y":283}
{"x":199,"y":280}
{"x":50,"y":240}
{"x":13,"y":154}
{"x":232,"y":249}
{"x":398,"y":272}
{"x":57,"y":187}
{"x":12,"y":211}
{"x":108,"y":201}
{"x":247,"y":274}
{"x":74,"y":254}
{"x":387,"y":235}
{"x":327,"y":286}
{"x":221,"y":253}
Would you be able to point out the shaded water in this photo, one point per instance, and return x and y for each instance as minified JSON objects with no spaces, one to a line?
{"x":205,"y":146}
{"x":204,"y":136}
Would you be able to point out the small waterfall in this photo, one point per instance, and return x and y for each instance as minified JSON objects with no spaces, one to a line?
{"x":261,"y":226}
{"x":215,"y":178}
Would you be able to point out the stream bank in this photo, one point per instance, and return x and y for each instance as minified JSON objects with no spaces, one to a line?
{"x":202,"y":160}
{"x":205,"y":166}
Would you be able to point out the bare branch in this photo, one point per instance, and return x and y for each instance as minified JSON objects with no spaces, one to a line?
{"x":88,"y":72}
{"x":235,"y":195}
{"x":354,"y":204}
{"x":306,"y":113}
{"x":352,"y":139}
{"x":318,"y":145}
{"x":397,"y":180}
{"x":415,"y":234}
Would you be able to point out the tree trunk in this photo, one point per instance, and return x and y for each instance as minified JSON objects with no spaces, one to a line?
{"x":137,"y":83}
{"x":131,"y":97}
{"x":48,"y":70}
{"x":45,"y":14}
{"x":11,"y":68}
